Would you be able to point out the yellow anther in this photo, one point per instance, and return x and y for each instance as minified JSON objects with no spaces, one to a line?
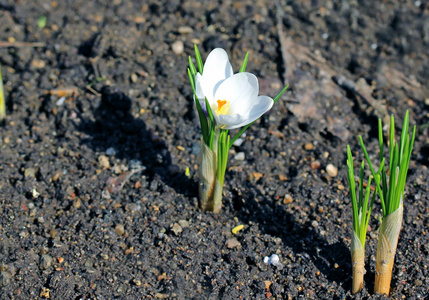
{"x":222,"y":107}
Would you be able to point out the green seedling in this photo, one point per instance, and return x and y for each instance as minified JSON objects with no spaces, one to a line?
{"x":361,"y":208}
{"x":390,"y":188}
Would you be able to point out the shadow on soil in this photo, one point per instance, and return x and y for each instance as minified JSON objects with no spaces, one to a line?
{"x":128,"y":138}
{"x":302,"y":239}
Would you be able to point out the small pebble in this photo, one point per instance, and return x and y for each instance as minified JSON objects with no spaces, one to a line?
{"x":45,"y":293}
{"x":35,"y":193}
{"x":185,"y":29}
{"x":56,"y":176}
{"x":232,"y":243}
{"x":315,"y":165}
{"x":104,"y":161}
{"x":110,"y":151}
{"x":5,"y":278}
{"x":331,"y":170}
{"x":176,"y":229}
{"x":308,"y":146}
{"x":418,"y":282}
{"x":178,"y":47}
{"x":183,"y":223}
{"x":282,"y":177}
{"x":273,"y":260}
{"x":134,"y":77}
{"x":45,"y":262}
{"x":53,"y":233}
{"x":238,"y":142}
{"x":239,"y":156}
{"x":315,"y":224}
{"x":288,"y":199}
{"x":30,"y":173}
{"x":120,"y":229}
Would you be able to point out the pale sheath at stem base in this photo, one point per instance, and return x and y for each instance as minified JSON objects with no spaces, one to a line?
{"x":358,"y":263}
{"x":386,"y":249}
{"x":210,"y":187}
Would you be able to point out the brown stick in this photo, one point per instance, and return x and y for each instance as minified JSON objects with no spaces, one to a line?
{"x":4,"y":44}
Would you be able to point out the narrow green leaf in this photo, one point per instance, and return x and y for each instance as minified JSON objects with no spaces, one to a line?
{"x":192,"y":67}
{"x":276,"y":98}
{"x":191,"y":79}
{"x":364,"y":209}
{"x":203,"y":121}
{"x":212,"y":125}
{"x":381,"y":146}
{"x":199,"y":60}
{"x":244,"y":64}
{"x":404,"y":132}
{"x":380,"y":138}
{"x":376,"y":178}
{"x":352,"y":187}
{"x":243,"y":129}
{"x":392,"y":140}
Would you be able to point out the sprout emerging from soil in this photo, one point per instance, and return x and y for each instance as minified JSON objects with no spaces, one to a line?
{"x":361,"y":214}
{"x":224,"y":101}
{"x":391,"y":195}
{"x":2,"y":100}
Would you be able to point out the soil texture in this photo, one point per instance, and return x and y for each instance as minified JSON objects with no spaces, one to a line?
{"x":99,"y":150}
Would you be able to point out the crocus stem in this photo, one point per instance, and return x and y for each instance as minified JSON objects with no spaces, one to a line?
{"x":207,"y":176}
{"x":358,"y":263}
{"x":217,"y":197}
{"x":386,"y":249}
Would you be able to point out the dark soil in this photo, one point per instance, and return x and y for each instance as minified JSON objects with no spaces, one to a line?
{"x":94,"y":201}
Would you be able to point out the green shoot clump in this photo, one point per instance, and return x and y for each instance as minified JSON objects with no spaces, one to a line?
{"x":392,"y":196}
{"x":392,"y":188}
{"x":361,"y":208}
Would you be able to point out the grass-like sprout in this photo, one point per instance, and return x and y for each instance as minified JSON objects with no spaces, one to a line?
{"x":2,"y":100}
{"x":391,"y":195}
{"x":361,"y":208}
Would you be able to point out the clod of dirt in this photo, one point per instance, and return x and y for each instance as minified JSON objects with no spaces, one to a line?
{"x":45,"y":262}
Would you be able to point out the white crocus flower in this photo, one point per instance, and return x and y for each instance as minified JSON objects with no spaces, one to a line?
{"x":233,"y":98}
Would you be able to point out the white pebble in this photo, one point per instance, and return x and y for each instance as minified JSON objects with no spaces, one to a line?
{"x":332,"y":170}
{"x":61,"y":101}
{"x":239,"y":156}
{"x":273,"y":260}
{"x":238,"y":142}
{"x":178,"y":47}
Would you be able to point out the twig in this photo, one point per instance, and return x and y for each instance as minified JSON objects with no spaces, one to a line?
{"x":4,"y":44}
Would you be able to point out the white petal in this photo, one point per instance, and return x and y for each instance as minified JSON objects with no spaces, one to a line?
{"x":230,"y":121}
{"x":216,"y":69}
{"x":262,"y":105}
{"x":240,"y":90}
{"x":199,"y":90}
